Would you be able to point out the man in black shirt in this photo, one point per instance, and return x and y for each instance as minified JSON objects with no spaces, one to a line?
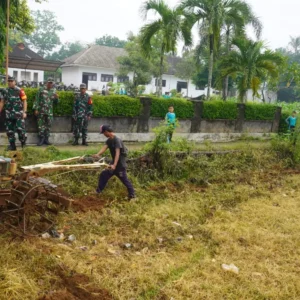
{"x":118,"y":165}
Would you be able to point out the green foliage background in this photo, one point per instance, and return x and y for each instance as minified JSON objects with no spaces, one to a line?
{"x":124,"y":106}
{"x":220,"y":110}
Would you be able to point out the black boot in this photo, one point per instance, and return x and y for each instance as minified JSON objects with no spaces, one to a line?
{"x":41,"y":141}
{"x":46,"y":141}
{"x":23,"y":143}
{"x":84,"y":142}
{"x":12,"y":146}
{"x":75,"y":143}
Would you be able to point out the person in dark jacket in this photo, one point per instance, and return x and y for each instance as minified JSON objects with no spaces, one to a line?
{"x":118,"y":165}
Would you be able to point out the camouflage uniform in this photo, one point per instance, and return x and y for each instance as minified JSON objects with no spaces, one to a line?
{"x":13,"y":99}
{"x":44,"y":105}
{"x":82,"y":110}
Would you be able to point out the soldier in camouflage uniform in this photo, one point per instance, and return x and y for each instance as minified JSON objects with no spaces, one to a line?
{"x":82,"y":113}
{"x":43,"y":109}
{"x":14,"y":101}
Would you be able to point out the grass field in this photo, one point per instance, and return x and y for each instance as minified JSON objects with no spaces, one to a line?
{"x":171,"y":242}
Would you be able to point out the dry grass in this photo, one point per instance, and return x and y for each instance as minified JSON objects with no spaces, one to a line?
{"x":180,"y":234}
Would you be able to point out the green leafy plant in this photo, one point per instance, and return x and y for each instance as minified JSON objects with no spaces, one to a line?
{"x":260,"y":111}
{"x":219,"y":110}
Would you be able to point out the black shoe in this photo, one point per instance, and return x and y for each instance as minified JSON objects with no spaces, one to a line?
{"x":75,"y":143}
{"x":12,"y":147}
{"x":41,"y":141}
{"x":84,"y":142}
{"x":46,"y":141}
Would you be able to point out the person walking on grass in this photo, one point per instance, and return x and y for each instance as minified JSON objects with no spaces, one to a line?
{"x":118,"y":165}
{"x":292,"y":121}
{"x":171,"y":123}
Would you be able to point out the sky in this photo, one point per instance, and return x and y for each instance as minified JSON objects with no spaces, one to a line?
{"x":94,"y":18}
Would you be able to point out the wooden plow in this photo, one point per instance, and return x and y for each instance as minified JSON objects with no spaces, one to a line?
{"x":29,"y":204}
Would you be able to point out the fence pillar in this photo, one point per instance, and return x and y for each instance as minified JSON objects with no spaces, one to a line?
{"x":239,"y":126}
{"x":143,"y":121}
{"x":276,"y":121}
{"x":196,"y":120}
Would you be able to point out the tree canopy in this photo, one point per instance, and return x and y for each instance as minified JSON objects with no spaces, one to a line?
{"x":110,"y":41}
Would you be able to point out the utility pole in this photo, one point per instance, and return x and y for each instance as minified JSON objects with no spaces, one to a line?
{"x":7,"y":39}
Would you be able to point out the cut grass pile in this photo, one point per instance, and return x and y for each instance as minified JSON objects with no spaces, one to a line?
{"x":241,"y":208}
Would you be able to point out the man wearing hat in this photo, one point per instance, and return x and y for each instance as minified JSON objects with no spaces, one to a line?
{"x":118,"y":165}
{"x":43,"y":109}
{"x":14,"y":100}
{"x":82,"y":113}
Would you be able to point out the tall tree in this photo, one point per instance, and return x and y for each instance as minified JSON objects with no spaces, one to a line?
{"x":295,"y":44}
{"x":110,"y":41}
{"x":20,"y":20}
{"x":170,"y":25}
{"x":249,"y":65}
{"x":66,"y":50}
{"x":136,"y":64}
{"x":211,"y":16}
{"x":237,"y":17}
{"x":45,"y":36}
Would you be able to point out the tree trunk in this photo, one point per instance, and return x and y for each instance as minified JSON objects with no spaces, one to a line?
{"x":226,"y":80}
{"x":161,"y":70}
{"x":262,"y":92}
{"x":210,"y":64}
{"x":187,"y":88}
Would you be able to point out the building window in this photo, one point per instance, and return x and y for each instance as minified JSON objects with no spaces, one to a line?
{"x":90,"y":76}
{"x":164,"y":82}
{"x":25,"y":75}
{"x":107,"y":78}
{"x":122,"y":79}
{"x":36,"y":77}
{"x":15,"y":75}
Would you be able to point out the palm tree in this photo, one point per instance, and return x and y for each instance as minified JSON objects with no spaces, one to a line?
{"x":237,"y":17}
{"x":295,"y":43}
{"x":212,"y":15}
{"x":170,"y":25}
{"x":249,"y":65}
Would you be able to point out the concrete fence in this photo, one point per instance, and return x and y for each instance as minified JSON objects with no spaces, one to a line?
{"x":139,"y":129}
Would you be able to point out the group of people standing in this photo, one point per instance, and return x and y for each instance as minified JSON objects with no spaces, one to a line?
{"x":14,"y":101}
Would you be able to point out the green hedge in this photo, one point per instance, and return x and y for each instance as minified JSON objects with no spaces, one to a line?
{"x":183,"y":109}
{"x":260,"y":111}
{"x":108,"y":106}
{"x":124,"y":106}
{"x":219,"y":110}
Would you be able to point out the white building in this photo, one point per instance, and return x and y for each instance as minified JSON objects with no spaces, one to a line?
{"x":98,"y":65}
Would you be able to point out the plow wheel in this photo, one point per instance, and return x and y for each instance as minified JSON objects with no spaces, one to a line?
{"x":38,"y":210}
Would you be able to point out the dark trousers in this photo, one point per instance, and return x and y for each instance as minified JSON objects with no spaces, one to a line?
{"x":121,"y":174}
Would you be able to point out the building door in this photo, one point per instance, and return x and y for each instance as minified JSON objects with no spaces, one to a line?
{"x":85,"y":79}
{"x":181,"y":85}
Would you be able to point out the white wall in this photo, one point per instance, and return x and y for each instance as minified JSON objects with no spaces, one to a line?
{"x":74,"y":75}
{"x":20,"y":74}
{"x":171,"y":83}
{"x":71,"y":75}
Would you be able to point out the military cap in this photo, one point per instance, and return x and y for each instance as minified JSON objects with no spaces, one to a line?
{"x":50,"y":79}
{"x":83,"y":86}
{"x":11,"y":78}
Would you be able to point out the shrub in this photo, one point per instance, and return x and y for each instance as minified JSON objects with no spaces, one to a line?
{"x":184,"y":109}
{"x":219,"y":110}
{"x":108,"y":106}
{"x":256,"y":111}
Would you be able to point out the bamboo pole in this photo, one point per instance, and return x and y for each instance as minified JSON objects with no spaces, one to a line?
{"x":7,"y":38}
